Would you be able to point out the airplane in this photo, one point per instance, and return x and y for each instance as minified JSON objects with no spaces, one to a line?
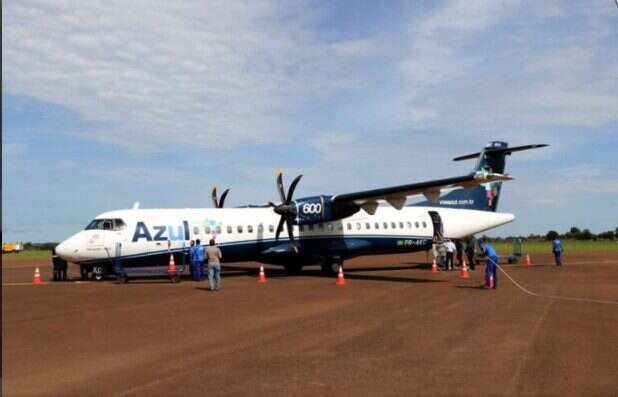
{"x":321,"y":230}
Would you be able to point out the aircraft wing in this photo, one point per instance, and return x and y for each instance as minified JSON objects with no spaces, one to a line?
{"x":397,"y":195}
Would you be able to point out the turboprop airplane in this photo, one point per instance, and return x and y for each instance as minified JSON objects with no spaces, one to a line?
{"x":321,"y":230}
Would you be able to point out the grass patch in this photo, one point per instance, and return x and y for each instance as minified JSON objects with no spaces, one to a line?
{"x":27,"y":254}
{"x":535,"y":247}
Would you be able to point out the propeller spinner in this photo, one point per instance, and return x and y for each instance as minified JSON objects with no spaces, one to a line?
{"x":286,"y":209}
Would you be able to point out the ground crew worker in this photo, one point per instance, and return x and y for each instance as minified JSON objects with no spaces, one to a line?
{"x":60,"y":267}
{"x":198,"y":260}
{"x":56,"y":264}
{"x":492,"y":264}
{"x":442,"y":255}
{"x":459,"y":247}
{"x":450,"y":251}
{"x":557,"y":250}
{"x":213,"y":253}
{"x":190,"y":254}
{"x":470,"y":253}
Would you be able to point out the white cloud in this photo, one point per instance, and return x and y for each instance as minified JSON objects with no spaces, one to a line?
{"x":205,"y":74}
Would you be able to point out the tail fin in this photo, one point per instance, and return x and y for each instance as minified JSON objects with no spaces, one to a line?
{"x":484,"y":197}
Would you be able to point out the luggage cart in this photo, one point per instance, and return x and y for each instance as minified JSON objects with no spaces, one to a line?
{"x":123,"y":273}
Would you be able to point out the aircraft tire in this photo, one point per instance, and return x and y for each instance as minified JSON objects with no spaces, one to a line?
{"x":331,"y":268}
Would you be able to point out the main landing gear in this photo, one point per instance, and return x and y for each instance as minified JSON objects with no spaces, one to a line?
{"x":330,"y":266}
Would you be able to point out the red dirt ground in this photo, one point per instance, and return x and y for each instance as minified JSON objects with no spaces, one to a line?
{"x":395,"y":329}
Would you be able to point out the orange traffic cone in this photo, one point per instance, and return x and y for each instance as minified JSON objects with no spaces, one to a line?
{"x":262,"y":278}
{"x":528,"y":263}
{"x":340,"y":278}
{"x":464,"y":271}
{"x":491,"y":281}
{"x":171,"y":268}
{"x":434,"y":266}
{"x":37,"y":277}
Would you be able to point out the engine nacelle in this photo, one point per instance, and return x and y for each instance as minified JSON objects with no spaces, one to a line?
{"x":318,"y":209}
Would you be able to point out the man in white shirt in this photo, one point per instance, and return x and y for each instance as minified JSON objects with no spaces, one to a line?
{"x":450,"y":250}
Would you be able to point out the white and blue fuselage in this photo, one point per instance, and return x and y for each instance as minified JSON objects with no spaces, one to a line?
{"x":147,"y":236}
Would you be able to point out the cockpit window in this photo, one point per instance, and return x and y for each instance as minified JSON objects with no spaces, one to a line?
{"x":106,"y":224}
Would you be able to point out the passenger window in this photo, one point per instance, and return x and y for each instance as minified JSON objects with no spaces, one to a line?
{"x":196,"y":230}
{"x":250,"y":229}
{"x":218,"y":229}
{"x":409,"y":224}
{"x":424,"y":224}
{"x":260,"y":228}
{"x":367,"y":225}
{"x":311,"y":227}
{"x":349,"y":225}
{"x":320,"y":226}
{"x":401,"y":225}
{"x":302,"y":228}
{"x":239,"y":228}
{"x":340,"y":226}
{"x":416,"y":225}
{"x":229,"y":230}
{"x":330,"y":227}
{"x":376,"y":225}
{"x":358,"y":226}
{"x":385,"y":224}
{"x":393,"y":225}
{"x":206,"y":229}
{"x":271,"y":228}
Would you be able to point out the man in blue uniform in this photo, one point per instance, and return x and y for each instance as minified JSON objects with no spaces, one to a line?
{"x":492,"y":264}
{"x":197,"y":261}
{"x":556,"y":247}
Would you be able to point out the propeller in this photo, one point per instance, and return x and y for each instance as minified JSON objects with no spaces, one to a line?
{"x":219,"y":203}
{"x":286,"y":209}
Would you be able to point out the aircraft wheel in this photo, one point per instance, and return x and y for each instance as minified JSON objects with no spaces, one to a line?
{"x":331,"y":268}
{"x":98,"y":272}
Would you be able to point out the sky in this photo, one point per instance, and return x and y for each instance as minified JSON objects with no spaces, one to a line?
{"x":105,"y":103}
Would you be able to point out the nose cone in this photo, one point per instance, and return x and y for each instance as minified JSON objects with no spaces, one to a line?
{"x":68,"y":249}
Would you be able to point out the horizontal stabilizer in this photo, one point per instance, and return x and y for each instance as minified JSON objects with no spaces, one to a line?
{"x":505,"y":150}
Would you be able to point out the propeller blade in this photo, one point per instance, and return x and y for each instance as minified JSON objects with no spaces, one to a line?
{"x":280,"y":186}
{"x":279,"y":228}
{"x":290,"y":226}
{"x":214,"y":197}
{"x":223,"y":196}
{"x":292,"y":188}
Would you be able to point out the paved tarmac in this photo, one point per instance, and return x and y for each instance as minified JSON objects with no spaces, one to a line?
{"x":395,"y":329}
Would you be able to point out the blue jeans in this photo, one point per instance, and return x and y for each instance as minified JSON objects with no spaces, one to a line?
{"x":214,"y":276}
{"x":490,"y":270}
{"x":195,"y":270}
{"x":558,"y":257}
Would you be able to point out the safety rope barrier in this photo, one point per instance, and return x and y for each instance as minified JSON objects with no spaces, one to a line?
{"x":565,"y":298}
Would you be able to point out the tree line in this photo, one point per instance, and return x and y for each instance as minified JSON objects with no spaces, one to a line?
{"x":574,"y":233}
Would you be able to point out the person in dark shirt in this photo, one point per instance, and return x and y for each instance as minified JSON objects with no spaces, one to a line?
{"x":470,"y":253}
{"x":459,"y":248}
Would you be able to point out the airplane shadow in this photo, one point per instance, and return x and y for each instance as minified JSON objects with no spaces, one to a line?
{"x":349,"y":273}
